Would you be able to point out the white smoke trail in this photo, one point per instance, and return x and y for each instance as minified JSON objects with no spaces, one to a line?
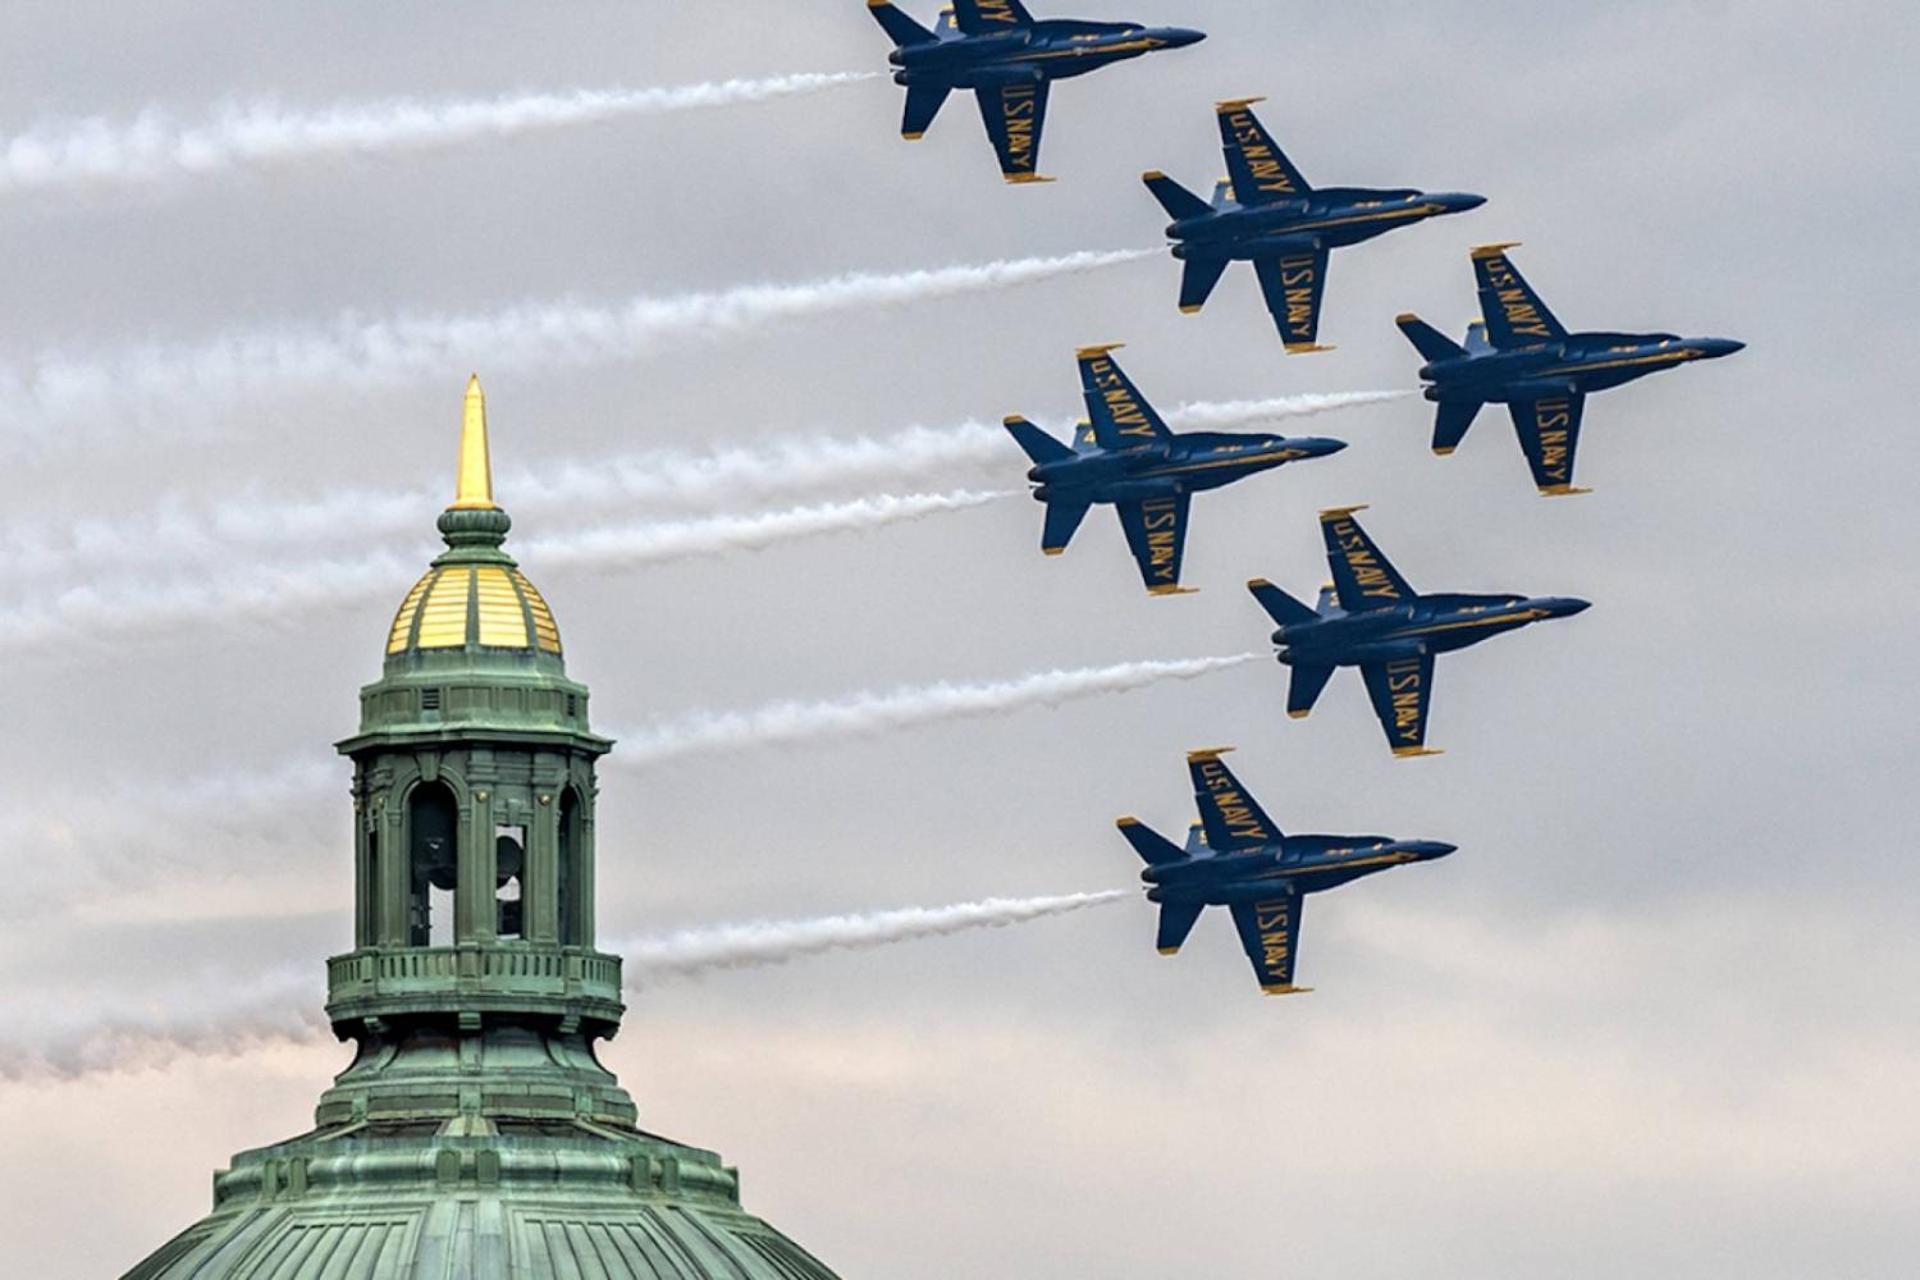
{"x":1226,"y":414}
{"x":266,"y":592}
{"x":780,"y":468}
{"x":227,"y":1013}
{"x":767,"y":942}
{"x":123,"y":837}
{"x":868,"y":713}
{"x":98,"y":151}
{"x":134,"y":387}
{"x":679,"y":539}
{"x":235,"y":1012}
{"x":71,"y":847}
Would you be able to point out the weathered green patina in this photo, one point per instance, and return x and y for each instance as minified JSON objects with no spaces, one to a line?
{"x":475,"y":1136}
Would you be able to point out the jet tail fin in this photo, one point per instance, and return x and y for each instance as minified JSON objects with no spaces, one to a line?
{"x":1154,"y":849}
{"x":900,"y":28}
{"x":1427,"y":340}
{"x":1174,"y":198}
{"x":1451,"y":423}
{"x":1176,"y":922}
{"x":923,"y":104}
{"x":1197,"y":279}
{"x":1308,"y":683}
{"x":1281,"y":607}
{"x":1040,"y":446}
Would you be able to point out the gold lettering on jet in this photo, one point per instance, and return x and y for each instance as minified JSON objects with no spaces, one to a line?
{"x":1160,"y":522}
{"x":996,"y":11}
{"x":1235,"y":810}
{"x":1517,"y":303}
{"x":1553,"y":425}
{"x":1297,"y":280}
{"x":1273,"y":920}
{"x":1262,"y":159}
{"x":1404,"y":695}
{"x":1020,"y":113}
{"x":1123,"y":405}
{"x":1362,"y":562}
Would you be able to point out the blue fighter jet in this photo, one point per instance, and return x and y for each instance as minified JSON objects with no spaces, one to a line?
{"x":1368,"y":617}
{"x":1265,"y":213}
{"x":1518,"y":355}
{"x":996,"y":49}
{"x":1124,"y":454}
{"x":1237,"y":858}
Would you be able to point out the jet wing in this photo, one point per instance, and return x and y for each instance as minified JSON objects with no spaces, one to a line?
{"x":1402,"y":691}
{"x":1270,"y":932}
{"x":1363,"y":577}
{"x":1157,"y":535}
{"x":1257,"y":167}
{"x":1231,"y":817}
{"x":1549,"y":431}
{"x":1293,"y":287}
{"x":1116,"y":411}
{"x":986,"y":17}
{"x":1014,"y":116}
{"x":1514,"y":314}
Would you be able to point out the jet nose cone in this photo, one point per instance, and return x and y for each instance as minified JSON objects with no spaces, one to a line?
{"x":1181,"y":37}
{"x":1432,"y":848}
{"x":1714,"y":348}
{"x":1320,"y":446}
{"x":1461,"y":201}
{"x":1566,"y":606}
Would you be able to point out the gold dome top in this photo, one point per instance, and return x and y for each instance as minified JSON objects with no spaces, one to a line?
{"x":474,"y":490}
{"x":490,"y":605}
{"x":474,"y":594}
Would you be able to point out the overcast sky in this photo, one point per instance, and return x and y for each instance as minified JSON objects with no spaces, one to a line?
{"x":1657,"y":1017}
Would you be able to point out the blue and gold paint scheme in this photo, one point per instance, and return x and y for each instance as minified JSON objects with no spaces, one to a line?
{"x":1519,"y":355}
{"x":1369,"y":617}
{"x":998,"y":50}
{"x":1124,"y":454}
{"x":1237,"y":857}
{"x":1265,"y":212}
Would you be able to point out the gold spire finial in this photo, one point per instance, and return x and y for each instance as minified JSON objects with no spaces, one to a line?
{"x":476,"y":466}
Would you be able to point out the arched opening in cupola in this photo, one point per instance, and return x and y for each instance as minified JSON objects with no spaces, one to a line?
{"x":433,"y":818}
{"x":510,"y":876}
{"x":572,"y":850}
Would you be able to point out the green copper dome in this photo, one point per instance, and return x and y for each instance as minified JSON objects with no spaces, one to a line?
{"x":475,"y":1135}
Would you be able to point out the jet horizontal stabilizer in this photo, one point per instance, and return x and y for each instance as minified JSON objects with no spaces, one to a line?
{"x":1154,"y":849}
{"x":1039,"y":446}
{"x":1427,"y":340}
{"x":1176,"y":922}
{"x":1308,"y":683}
{"x":1451,"y":422}
{"x":900,"y":28}
{"x":1198,"y":276}
{"x":1281,"y":607}
{"x":1179,"y":202}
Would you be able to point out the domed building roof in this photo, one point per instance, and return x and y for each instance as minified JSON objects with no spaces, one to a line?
{"x":367,"y":1211}
{"x":475,"y":1135}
